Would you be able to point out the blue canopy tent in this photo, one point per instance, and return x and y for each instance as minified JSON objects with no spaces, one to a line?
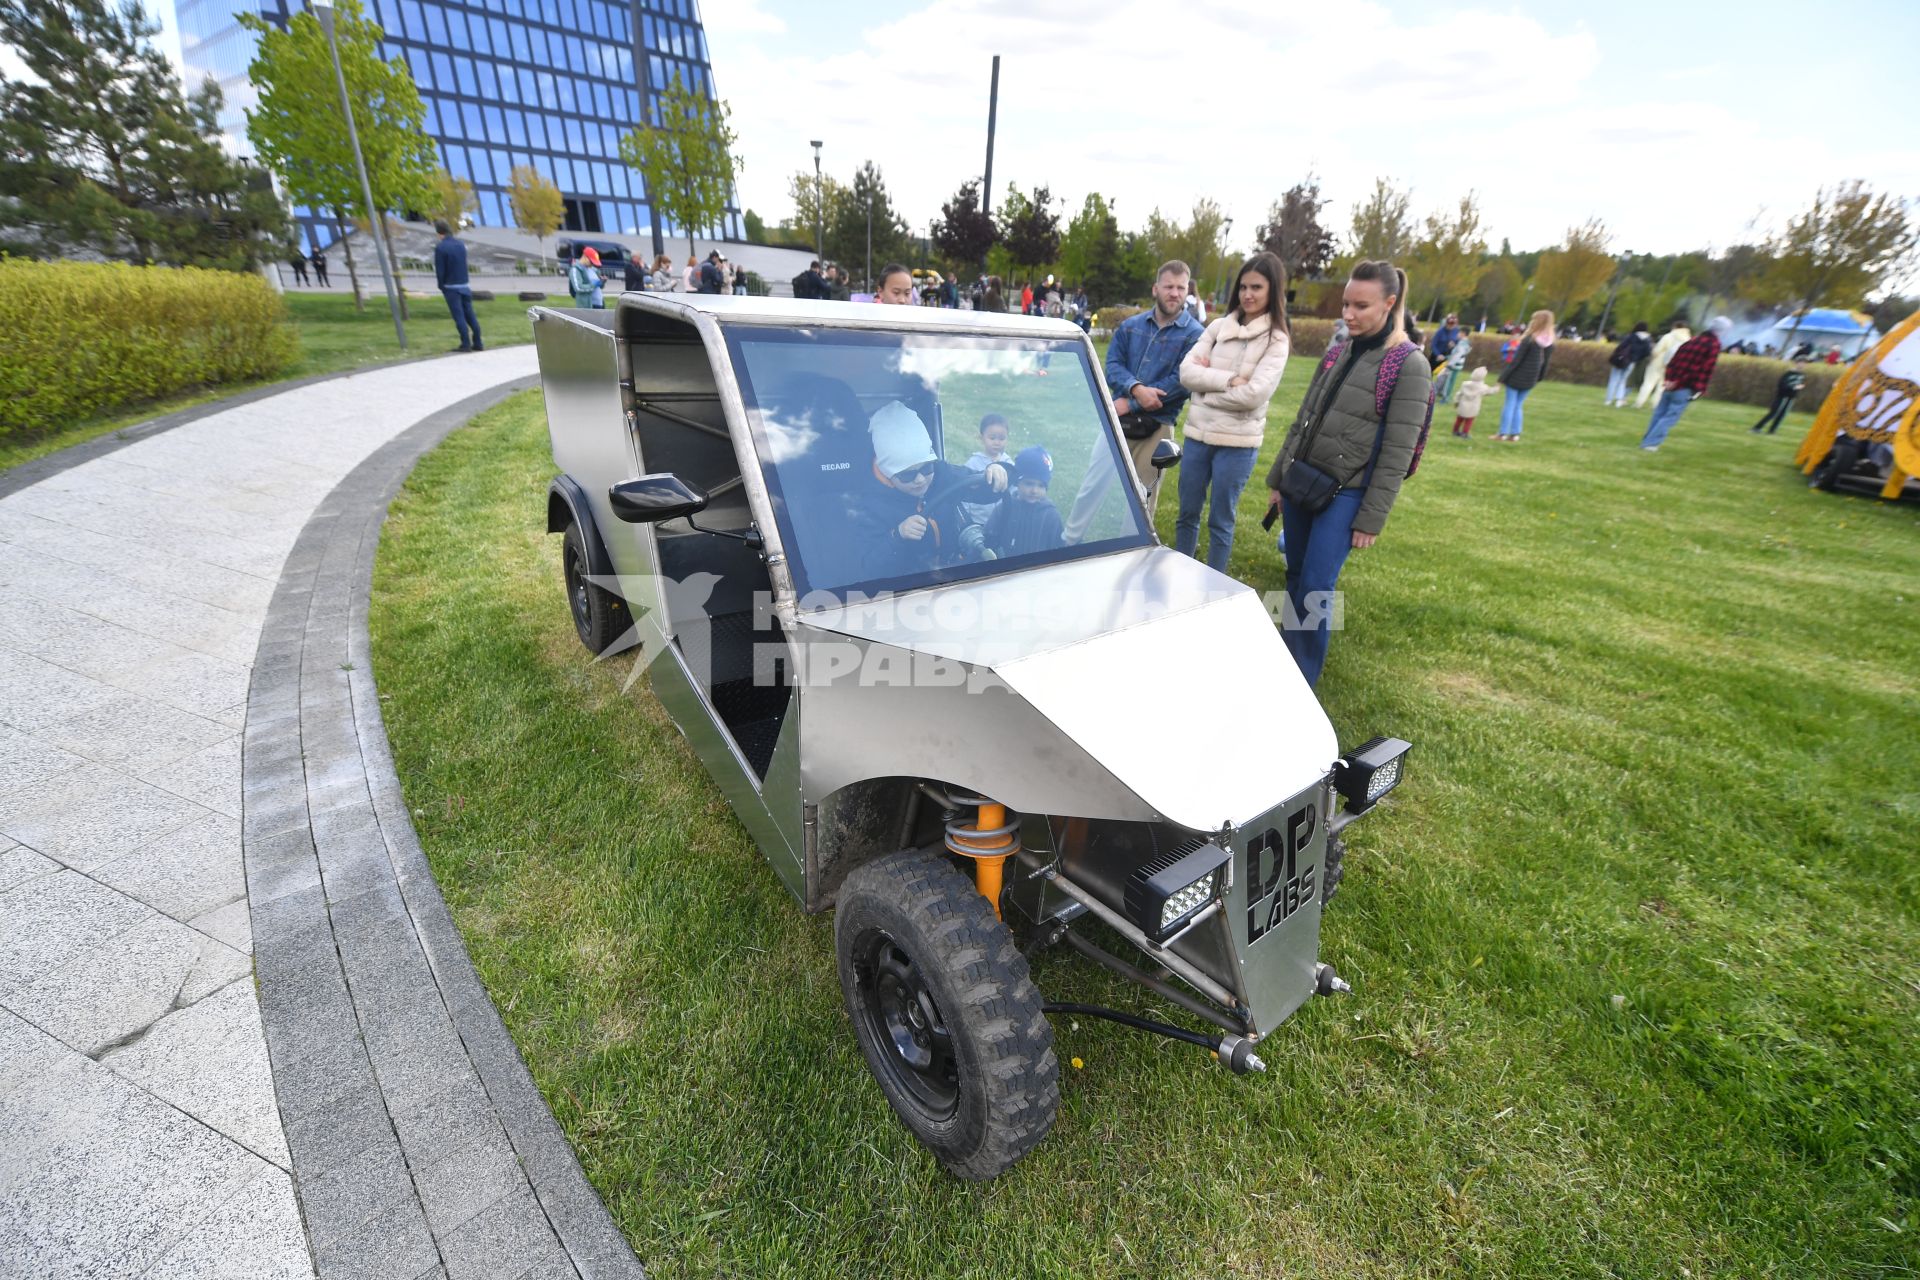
{"x":1825,"y":327}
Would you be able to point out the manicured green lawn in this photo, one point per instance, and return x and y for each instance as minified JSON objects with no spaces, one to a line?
{"x":333,"y":337}
{"x":1635,"y":950}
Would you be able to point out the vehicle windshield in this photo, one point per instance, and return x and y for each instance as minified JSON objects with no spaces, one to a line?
{"x":896,"y":460}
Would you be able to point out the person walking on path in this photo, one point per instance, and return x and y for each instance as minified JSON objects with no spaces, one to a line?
{"x":1530,"y":361}
{"x":319,"y":261}
{"x":1232,"y":373}
{"x":1340,"y":469}
{"x":298,"y":261}
{"x":450,"y":273}
{"x":1633,"y":348}
{"x":1143,"y":377}
{"x":1472,"y":393}
{"x":1785,"y":392}
{"x":1688,"y":374}
{"x":1656,"y":372}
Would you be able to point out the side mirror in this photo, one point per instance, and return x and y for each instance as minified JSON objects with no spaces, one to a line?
{"x":651,"y":499}
{"x":1165,"y":454}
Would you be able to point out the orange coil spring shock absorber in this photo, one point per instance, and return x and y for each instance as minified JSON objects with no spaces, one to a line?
{"x":990,"y":839}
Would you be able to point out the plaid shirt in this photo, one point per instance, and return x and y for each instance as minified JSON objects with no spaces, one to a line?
{"x":1692,"y":365}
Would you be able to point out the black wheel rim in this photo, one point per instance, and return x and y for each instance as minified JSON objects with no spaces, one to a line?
{"x":912,"y":1044}
{"x":577,"y":593}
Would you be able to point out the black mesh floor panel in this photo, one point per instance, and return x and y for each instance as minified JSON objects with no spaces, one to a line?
{"x":752,"y":714}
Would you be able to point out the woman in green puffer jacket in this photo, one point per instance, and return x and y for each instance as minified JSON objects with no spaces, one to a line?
{"x":1340,"y":442}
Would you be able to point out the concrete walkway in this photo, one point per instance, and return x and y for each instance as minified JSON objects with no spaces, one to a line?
{"x":144,"y":1126}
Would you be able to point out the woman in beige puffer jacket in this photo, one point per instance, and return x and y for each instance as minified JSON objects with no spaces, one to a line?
{"x":1232,"y":371}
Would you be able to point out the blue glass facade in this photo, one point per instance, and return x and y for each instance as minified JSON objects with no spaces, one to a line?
{"x":547,"y":83}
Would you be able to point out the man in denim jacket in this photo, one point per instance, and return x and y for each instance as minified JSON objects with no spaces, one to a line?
{"x":1143,"y":375}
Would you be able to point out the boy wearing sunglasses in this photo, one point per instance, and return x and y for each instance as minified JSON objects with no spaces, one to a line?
{"x":911,"y":518}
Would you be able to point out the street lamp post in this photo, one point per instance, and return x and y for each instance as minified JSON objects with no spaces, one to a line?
{"x":1220,"y":298}
{"x":819,"y":240}
{"x":869,"y":240}
{"x":324,"y":12}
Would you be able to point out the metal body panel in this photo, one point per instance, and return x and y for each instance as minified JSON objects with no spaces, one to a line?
{"x":1074,"y":642}
{"x":946,"y":723}
{"x":1267,"y":945}
{"x":674,"y":685}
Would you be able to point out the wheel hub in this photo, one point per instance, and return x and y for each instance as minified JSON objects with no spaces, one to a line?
{"x":906,"y":1023}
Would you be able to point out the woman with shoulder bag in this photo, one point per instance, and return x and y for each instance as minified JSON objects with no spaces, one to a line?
{"x":1530,"y":361}
{"x":1232,"y":371}
{"x":1340,"y":469}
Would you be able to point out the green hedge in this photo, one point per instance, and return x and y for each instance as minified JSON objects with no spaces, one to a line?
{"x":84,"y":337}
{"x":1736,"y":379}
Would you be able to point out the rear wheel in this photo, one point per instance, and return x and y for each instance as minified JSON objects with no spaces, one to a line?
{"x":945,"y":1012}
{"x":599,"y":616}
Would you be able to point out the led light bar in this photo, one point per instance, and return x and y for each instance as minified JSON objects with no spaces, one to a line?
{"x":1365,"y":776}
{"x":1162,"y":895}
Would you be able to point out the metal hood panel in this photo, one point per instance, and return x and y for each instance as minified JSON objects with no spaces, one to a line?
{"x":1168,"y":676}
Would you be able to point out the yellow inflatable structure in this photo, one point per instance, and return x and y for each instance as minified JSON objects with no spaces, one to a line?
{"x":1876,"y":401}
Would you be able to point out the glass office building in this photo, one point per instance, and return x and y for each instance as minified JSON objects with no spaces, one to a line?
{"x":547,"y":83}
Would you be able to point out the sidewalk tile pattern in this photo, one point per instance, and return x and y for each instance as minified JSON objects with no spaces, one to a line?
{"x":147,"y":1127}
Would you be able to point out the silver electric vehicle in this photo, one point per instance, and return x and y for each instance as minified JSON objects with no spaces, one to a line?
{"x":890,"y":572}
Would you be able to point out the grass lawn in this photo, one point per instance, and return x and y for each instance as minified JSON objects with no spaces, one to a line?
{"x":333,"y":337}
{"x":1635,"y":950}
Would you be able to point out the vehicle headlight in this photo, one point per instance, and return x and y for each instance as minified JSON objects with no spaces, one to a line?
{"x":1366,"y":775}
{"x":1162,"y":895}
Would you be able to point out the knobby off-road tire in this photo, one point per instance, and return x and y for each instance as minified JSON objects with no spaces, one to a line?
{"x":945,"y":1012}
{"x":599,"y":616}
{"x":1332,"y":867}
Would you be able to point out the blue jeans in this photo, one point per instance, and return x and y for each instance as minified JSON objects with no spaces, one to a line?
{"x":460,"y":303}
{"x":1512,"y":418}
{"x":1224,"y":471}
{"x":1617,"y":384}
{"x":1666,"y":411}
{"x":1317,"y":547}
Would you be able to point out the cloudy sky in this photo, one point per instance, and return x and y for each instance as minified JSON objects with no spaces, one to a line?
{"x":1680,"y":124}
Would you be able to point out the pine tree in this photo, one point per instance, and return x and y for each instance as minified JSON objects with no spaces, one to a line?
{"x":107,"y":154}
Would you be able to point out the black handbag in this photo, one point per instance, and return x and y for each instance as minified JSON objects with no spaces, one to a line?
{"x":1138,"y":425}
{"x":1308,"y":487}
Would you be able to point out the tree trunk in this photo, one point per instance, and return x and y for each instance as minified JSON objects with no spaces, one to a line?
{"x":346,"y":247}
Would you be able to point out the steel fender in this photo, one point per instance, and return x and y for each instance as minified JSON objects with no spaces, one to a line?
{"x":567,"y":502}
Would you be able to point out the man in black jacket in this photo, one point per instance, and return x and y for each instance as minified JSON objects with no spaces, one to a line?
{"x":1633,"y":348}
{"x":1784,"y":393}
{"x":450,"y":273}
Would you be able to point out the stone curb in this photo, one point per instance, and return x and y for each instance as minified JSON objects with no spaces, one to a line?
{"x":420,"y":1144}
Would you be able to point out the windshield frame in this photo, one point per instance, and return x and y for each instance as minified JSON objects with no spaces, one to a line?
{"x":811,"y":596}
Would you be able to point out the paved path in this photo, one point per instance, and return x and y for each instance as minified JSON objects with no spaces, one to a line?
{"x":147,"y":597}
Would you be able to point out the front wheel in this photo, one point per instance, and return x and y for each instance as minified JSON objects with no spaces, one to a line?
{"x":599,"y":616}
{"x":945,"y":1012}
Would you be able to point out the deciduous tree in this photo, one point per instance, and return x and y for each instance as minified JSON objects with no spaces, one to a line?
{"x":1838,"y":249}
{"x":453,"y":199}
{"x":104,"y":152}
{"x":1293,"y":231}
{"x":1576,"y":270}
{"x":1446,"y":262}
{"x":686,"y":158}
{"x":297,"y":127}
{"x":1382,"y":223}
{"x":814,"y":199}
{"x":1200,"y":242}
{"x":1092,"y":253}
{"x":964,"y":231}
{"x":535,"y":203}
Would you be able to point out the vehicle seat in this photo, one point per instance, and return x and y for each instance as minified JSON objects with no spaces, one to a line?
{"x":822,"y":454}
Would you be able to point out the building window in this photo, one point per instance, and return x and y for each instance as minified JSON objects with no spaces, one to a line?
{"x":436,"y":25}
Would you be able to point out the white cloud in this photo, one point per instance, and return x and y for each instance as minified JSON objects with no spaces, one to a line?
{"x":1158,"y":105}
